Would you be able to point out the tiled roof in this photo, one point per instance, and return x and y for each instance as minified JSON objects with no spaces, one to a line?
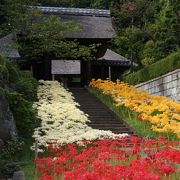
{"x":94,"y":23}
{"x":74,"y":11}
{"x":92,"y":27}
{"x":111,"y":55}
{"x":112,"y":58}
{"x":110,"y":63}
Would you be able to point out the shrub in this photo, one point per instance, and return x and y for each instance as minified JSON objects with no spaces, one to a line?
{"x":24,"y":114}
{"x":4,"y":74}
{"x":8,"y":70}
{"x":23,"y":81}
{"x":21,"y":92}
{"x":13,"y":71}
{"x":8,"y":157}
{"x":27,"y":86}
{"x":157,"y":69}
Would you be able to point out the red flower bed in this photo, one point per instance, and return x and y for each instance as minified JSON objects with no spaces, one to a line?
{"x":125,"y":158}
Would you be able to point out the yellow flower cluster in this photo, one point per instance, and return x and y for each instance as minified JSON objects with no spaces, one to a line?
{"x":162,"y":112}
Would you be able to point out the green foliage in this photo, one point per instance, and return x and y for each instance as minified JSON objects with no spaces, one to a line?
{"x":24,"y":114}
{"x":132,"y":12}
{"x":4,"y":74}
{"x":8,"y":70}
{"x":146,"y":30}
{"x":76,"y":3}
{"x":27,"y":86}
{"x":149,"y":50}
{"x":156,"y":20}
{"x":11,"y":148}
{"x":14,"y":15}
{"x":131,"y":19}
{"x":24,"y":83}
{"x":157,"y":69}
{"x":164,"y":36}
{"x":101,"y":4}
{"x":13,"y":71}
{"x":20,"y":90}
{"x":27,"y":155}
{"x":8,"y":157}
{"x":130,"y":42}
{"x":46,"y":39}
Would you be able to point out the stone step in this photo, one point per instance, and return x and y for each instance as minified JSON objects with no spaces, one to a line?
{"x":100,"y":115}
{"x":128,"y":132}
{"x":100,"y":118}
{"x":94,"y":110}
{"x":106,"y":122}
{"x":114,"y":126}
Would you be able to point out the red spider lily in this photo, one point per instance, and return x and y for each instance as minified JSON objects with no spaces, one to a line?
{"x":135,"y":139}
{"x":172,"y":155}
{"x":123,"y":158}
{"x":46,"y":177}
{"x":164,"y":168}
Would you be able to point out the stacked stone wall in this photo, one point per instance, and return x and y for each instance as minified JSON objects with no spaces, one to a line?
{"x":7,"y":123}
{"x":167,"y":85}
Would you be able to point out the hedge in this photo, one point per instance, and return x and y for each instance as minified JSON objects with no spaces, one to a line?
{"x":168,"y":64}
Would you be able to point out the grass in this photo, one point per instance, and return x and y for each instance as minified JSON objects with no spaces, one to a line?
{"x":143,"y":129}
{"x":27,"y":155}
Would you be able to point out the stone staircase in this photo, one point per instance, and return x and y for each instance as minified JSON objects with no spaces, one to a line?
{"x":100,"y":115}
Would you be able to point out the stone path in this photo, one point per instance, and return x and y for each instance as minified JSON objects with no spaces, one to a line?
{"x":100,"y":115}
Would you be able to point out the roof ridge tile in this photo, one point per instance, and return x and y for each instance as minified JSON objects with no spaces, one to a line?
{"x":74,"y":11}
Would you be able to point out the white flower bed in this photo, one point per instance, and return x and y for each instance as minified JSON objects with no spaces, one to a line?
{"x":61,"y":119}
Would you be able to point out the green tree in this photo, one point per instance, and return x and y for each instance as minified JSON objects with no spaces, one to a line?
{"x":163,"y":35}
{"x":20,"y":90}
{"x":132,"y":12}
{"x":129,"y":43}
{"x":42,"y":37}
{"x":131,"y":19}
{"x":46,"y":38}
{"x":100,"y":4}
{"x":14,"y":15}
{"x":2,"y":19}
{"x":65,"y":3}
{"x":77,"y":3}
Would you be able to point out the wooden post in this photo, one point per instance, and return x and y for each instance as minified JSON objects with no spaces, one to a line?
{"x":53,"y":77}
{"x":88,"y":72}
{"x":109,"y":72}
{"x":65,"y":82}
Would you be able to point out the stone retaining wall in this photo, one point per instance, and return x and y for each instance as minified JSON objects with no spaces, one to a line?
{"x":166,"y":85}
{"x":7,"y":123}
